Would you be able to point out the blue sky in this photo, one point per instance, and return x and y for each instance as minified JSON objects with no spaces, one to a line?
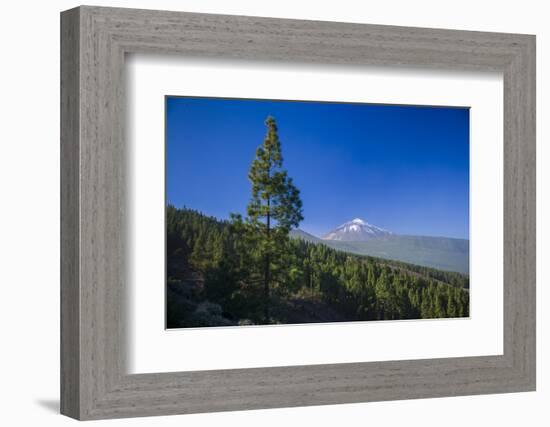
{"x":403,"y":168}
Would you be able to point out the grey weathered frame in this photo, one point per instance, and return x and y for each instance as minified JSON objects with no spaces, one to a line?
{"x":94,"y":41}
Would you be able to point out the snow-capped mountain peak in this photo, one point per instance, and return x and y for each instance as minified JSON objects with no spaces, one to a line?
{"x":356,"y":230}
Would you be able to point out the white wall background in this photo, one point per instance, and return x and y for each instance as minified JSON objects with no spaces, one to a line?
{"x":29,"y":215}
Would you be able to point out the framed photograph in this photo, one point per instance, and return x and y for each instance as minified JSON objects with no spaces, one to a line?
{"x":262,"y":213}
{"x":252,"y":235}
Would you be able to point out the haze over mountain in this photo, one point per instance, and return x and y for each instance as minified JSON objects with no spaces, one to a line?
{"x":359,"y":237}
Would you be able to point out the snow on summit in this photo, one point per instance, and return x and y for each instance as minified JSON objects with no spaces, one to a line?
{"x":356,"y":230}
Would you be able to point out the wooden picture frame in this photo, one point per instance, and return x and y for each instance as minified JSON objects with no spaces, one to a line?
{"x":94,"y":382}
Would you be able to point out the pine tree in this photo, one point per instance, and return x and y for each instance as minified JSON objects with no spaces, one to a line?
{"x":382,"y":294}
{"x":451,"y":304}
{"x":274,"y":208}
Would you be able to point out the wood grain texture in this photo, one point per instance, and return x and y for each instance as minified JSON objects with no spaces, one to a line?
{"x":70,"y":259}
{"x":94,"y":272}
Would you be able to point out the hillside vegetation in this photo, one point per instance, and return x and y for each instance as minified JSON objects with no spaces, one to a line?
{"x":215,"y":275}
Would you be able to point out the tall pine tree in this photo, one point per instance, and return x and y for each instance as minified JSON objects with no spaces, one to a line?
{"x":274,"y":209}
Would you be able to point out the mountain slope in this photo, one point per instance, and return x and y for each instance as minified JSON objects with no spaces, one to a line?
{"x":356,"y":230}
{"x":436,"y":252}
{"x":304,"y":235}
{"x":360,"y":237}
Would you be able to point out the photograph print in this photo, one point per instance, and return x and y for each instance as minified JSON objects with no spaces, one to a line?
{"x":295,"y":212}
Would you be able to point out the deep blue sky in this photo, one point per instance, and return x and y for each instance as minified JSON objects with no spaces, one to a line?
{"x":403,"y":168}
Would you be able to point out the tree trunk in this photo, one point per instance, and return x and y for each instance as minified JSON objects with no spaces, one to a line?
{"x":266,"y":266}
